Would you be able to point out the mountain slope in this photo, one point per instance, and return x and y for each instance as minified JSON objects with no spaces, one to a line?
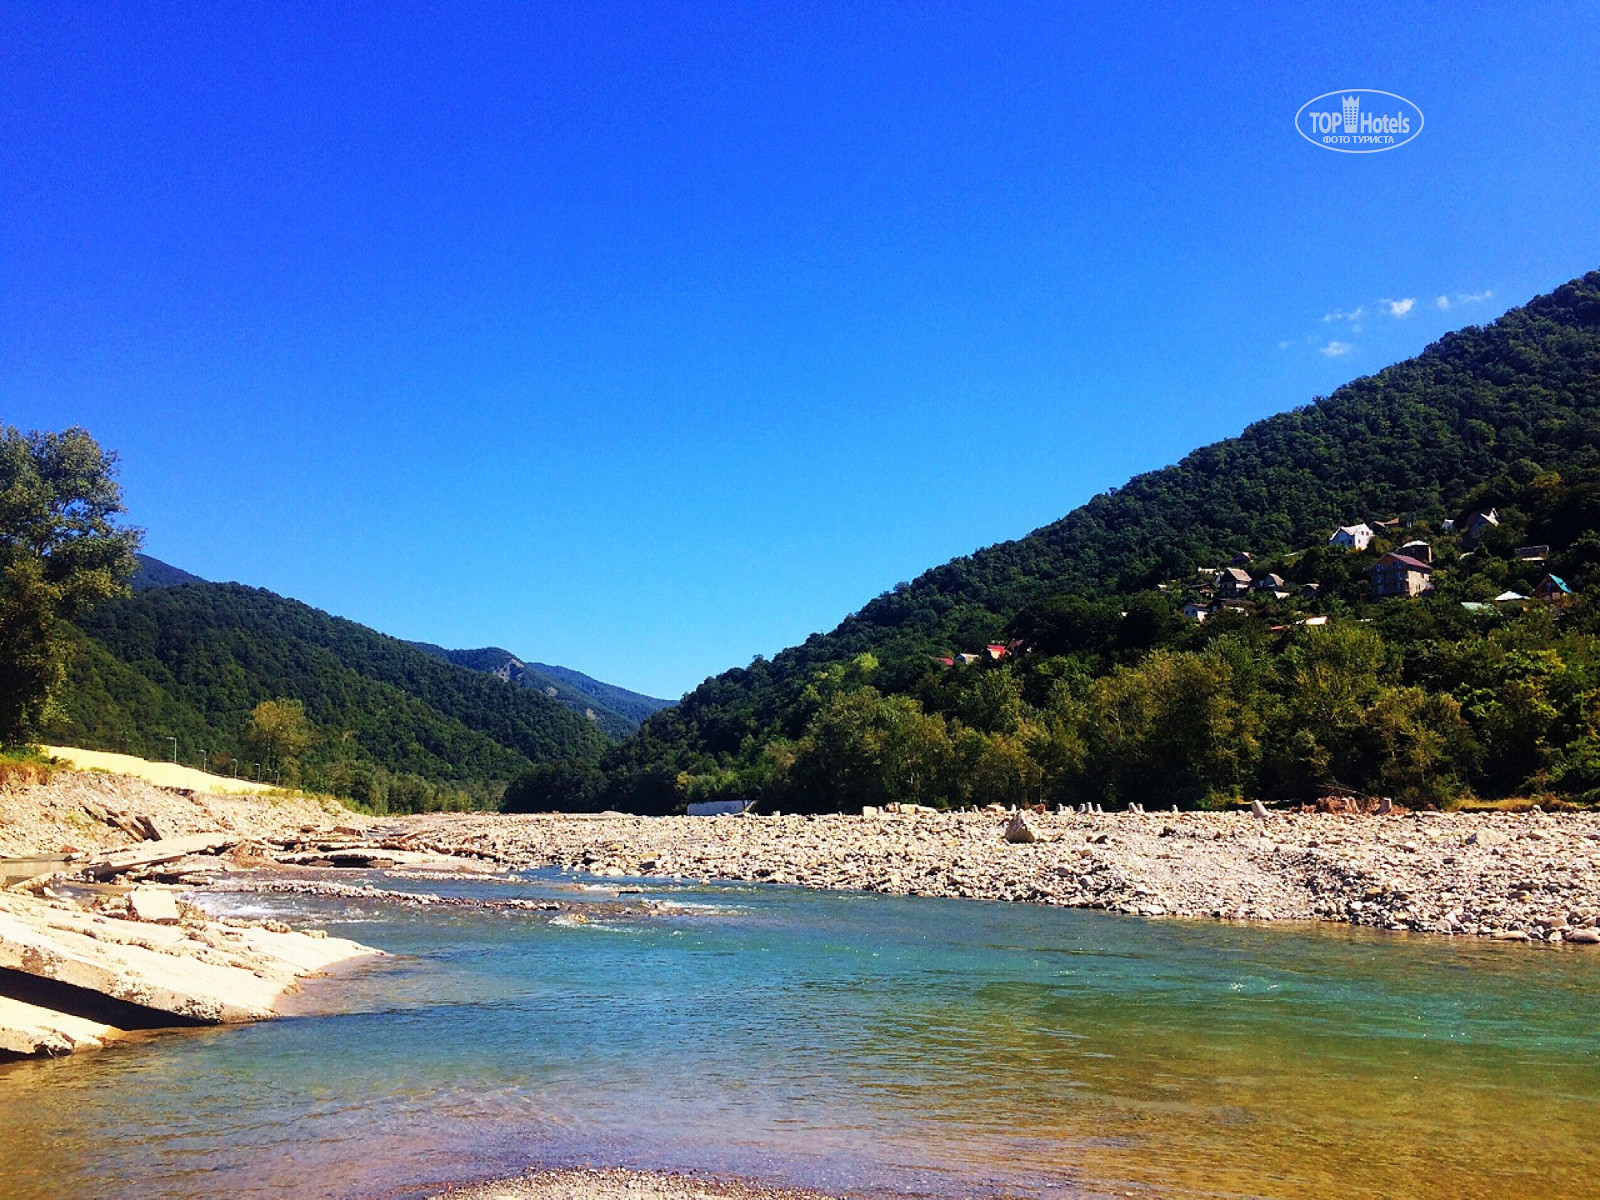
{"x":192,"y":661}
{"x":153,"y":573}
{"x":635,"y":706}
{"x":616,"y":710}
{"x":1418,"y":438}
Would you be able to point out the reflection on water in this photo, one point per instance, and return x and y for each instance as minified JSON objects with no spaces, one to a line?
{"x":861,"y":1042}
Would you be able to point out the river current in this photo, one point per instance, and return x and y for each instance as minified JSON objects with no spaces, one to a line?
{"x":877,"y":1044}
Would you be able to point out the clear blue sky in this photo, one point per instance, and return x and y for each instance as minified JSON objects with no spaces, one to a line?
{"x":649,"y":339}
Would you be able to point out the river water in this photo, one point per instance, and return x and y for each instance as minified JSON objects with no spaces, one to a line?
{"x":893,"y":1045}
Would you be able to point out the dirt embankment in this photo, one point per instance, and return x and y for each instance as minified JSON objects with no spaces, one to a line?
{"x":89,"y":811}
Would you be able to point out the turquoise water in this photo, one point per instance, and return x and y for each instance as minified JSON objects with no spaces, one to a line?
{"x":865,"y":1042}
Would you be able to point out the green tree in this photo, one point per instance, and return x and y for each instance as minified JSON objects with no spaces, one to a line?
{"x":61,"y":552}
{"x":1180,"y":726}
{"x":863,"y":747}
{"x":556,"y":787}
{"x":1329,"y":678}
{"x":280,"y":732}
{"x":991,"y":768}
{"x":991,"y":702}
{"x":1414,"y":746}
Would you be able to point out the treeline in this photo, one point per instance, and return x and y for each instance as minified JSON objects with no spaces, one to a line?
{"x":1501,"y":414}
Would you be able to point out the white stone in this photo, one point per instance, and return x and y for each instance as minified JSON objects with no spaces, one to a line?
{"x":154,"y":905}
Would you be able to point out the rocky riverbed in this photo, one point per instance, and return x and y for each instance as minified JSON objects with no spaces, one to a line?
{"x":1532,"y":876}
{"x":623,"y":1185}
{"x":88,"y":811}
{"x":1526,"y":876}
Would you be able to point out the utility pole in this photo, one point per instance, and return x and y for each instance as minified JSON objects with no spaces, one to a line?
{"x":258,"y":772}
{"x":203,"y":754}
{"x":174,"y":742}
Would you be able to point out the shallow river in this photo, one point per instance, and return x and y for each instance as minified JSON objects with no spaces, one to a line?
{"x":880,"y":1044}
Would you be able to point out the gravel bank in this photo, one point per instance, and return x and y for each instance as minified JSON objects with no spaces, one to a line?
{"x":623,"y":1185}
{"x":1532,"y":876}
{"x":1529,"y":876}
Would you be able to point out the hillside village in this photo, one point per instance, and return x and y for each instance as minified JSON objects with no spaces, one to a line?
{"x":1401,"y":560}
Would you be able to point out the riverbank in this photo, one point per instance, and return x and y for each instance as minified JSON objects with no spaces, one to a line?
{"x":1515,"y":876}
{"x":162,"y":774}
{"x":1533,"y":876}
{"x":97,"y":938}
{"x":80,"y":970}
{"x":623,"y":1185}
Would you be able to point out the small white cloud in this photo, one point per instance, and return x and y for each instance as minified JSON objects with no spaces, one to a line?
{"x":1338,"y":315}
{"x":1399,"y":308}
{"x":1443,"y":301}
{"x":1334,"y":349}
{"x":1473,"y":297}
{"x":1285,"y":345}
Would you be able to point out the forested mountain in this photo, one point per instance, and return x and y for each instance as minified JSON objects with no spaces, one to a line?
{"x":1507,"y":413}
{"x":153,"y":573}
{"x":635,"y":706}
{"x":386,"y":723}
{"x":616,"y":710}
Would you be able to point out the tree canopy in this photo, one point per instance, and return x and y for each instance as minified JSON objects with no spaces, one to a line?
{"x":62,"y":551}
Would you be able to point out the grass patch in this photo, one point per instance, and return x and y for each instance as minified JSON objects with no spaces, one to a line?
{"x":24,"y":766}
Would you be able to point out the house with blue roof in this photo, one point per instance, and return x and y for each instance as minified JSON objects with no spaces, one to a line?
{"x":1553,"y":589}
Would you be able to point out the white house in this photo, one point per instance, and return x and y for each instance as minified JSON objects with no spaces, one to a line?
{"x":1352,"y":537}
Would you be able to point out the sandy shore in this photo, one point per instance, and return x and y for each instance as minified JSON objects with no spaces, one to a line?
{"x":162,"y":774}
{"x":1532,"y":876}
{"x":623,"y":1185}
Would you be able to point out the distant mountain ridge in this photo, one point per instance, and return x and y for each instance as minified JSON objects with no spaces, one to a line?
{"x":191,"y":662}
{"x":153,"y":573}
{"x":634,"y":705}
{"x":616,"y":710}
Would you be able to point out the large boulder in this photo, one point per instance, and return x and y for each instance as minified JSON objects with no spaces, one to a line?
{"x":1020,"y":829}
